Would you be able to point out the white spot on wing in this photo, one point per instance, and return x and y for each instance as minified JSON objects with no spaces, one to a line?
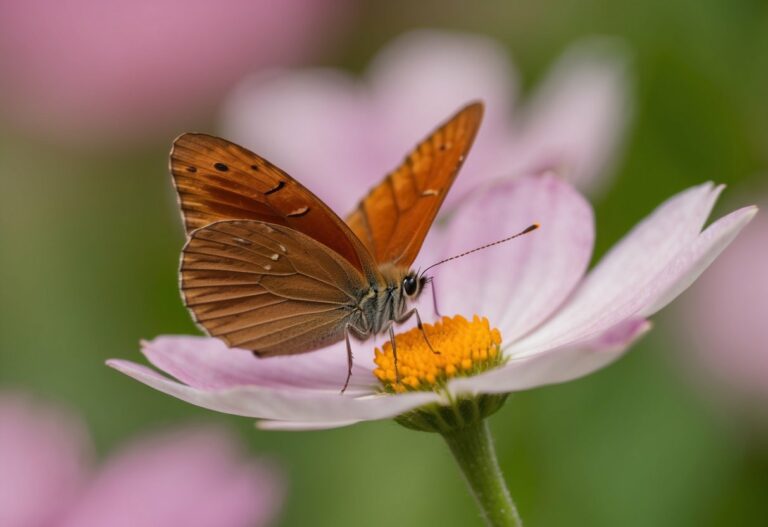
{"x":299,"y":211}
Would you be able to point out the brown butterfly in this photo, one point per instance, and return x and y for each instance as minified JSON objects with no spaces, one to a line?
{"x":270,"y":268}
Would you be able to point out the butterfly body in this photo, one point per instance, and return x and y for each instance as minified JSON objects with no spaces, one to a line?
{"x":271,"y":268}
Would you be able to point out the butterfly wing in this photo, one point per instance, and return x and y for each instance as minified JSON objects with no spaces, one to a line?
{"x":266,"y":287}
{"x":394,"y":218}
{"x":218,"y":180}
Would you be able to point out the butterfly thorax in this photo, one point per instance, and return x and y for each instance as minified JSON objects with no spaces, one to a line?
{"x":387,"y":299}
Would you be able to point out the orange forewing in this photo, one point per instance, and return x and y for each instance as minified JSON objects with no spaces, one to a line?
{"x":394,"y":218}
{"x":218,"y":180}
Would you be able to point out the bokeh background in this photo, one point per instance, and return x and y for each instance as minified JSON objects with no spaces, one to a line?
{"x":91,"y":96}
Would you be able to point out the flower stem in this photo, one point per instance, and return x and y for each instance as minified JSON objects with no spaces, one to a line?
{"x":472,"y":446}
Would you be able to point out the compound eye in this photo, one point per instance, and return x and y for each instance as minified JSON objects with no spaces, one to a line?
{"x":410,"y":285}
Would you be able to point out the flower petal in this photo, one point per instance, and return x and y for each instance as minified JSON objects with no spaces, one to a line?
{"x":577,"y":116}
{"x":195,"y":477}
{"x":44,"y":453}
{"x":283,"y":404}
{"x":520,"y":283}
{"x":557,"y":365}
{"x":114,"y":82}
{"x":208,"y":364}
{"x":298,"y":426}
{"x":689,"y":265}
{"x":627,"y":279}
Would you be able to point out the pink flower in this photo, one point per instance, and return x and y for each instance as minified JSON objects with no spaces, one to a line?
{"x":557,"y":321}
{"x":194,"y":477}
{"x":131,"y":70}
{"x":724,"y":331}
{"x":326,"y":128}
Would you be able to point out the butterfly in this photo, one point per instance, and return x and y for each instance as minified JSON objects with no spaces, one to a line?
{"x":268,"y":267}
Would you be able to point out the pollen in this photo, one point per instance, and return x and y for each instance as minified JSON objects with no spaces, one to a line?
{"x":459,"y":348}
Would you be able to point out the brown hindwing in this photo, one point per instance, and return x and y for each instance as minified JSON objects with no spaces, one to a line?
{"x":267,"y":288}
{"x":394,"y":218}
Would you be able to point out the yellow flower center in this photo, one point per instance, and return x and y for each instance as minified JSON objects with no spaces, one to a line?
{"x":459,"y":348}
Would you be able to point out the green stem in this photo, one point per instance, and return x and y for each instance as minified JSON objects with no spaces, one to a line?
{"x":472,"y":446}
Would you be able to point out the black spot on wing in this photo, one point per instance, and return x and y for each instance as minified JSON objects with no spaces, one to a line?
{"x":278,"y":187}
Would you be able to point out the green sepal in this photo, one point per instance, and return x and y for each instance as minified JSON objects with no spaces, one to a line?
{"x":461,"y":413}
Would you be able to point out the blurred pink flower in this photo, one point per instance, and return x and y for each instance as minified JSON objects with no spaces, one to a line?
{"x":325,"y":127}
{"x":90,"y":70}
{"x":557,"y":323}
{"x":193,"y":477}
{"x":725,"y":322}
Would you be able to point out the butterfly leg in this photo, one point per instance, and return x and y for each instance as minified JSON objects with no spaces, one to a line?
{"x":434,"y":297}
{"x":394,"y":350}
{"x":349,"y":359}
{"x":405,"y":317}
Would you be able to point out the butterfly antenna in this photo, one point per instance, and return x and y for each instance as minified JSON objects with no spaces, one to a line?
{"x":528,"y":229}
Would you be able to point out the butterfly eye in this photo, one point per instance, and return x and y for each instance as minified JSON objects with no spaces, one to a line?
{"x":410,"y":285}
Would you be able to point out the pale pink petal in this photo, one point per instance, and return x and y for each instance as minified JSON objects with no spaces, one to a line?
{"x":194,"y":478}
{"x":92,"y":71}
{"x":208,"y":364}
{"x":521,"y":282}
{"x":314,"y":124}
{"x":626,"y":279}
{"x":577,"y":117}
{"x":561,"y":364}
{"x":43,"y":456}
{"x":689,"y":265}
{"x":285,"y":404}
{"x":302,"y":426}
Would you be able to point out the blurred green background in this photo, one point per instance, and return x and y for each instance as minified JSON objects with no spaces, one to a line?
{"x":89,"y":244}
